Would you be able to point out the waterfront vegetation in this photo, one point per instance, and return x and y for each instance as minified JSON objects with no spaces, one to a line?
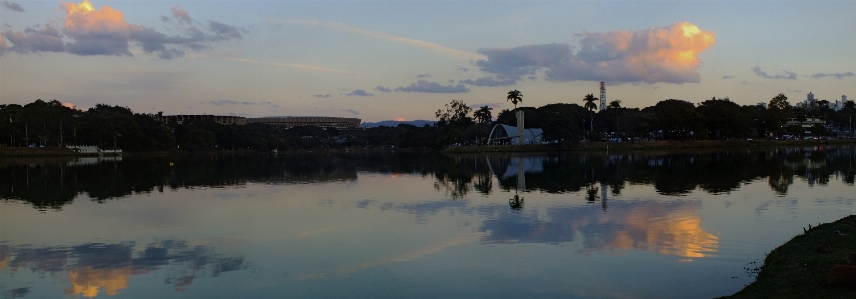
{"x":798,"y":268}
{"x":50,"y":124}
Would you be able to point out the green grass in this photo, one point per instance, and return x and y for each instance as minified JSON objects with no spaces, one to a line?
{"x":798,"y":270}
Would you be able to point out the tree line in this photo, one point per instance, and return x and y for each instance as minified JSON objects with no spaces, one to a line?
{"x":672,"y":119}
{"x":49,"y":124}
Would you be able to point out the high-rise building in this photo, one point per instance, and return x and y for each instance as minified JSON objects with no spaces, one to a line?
{"x":809,"y":101}
{"x":843,"y":99}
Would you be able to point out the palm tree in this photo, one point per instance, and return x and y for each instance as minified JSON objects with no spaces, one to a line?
{"x":515,"y":96}
{"x":591,"y":106}
{"x":483,"y":115}
{"x":590,"y":102}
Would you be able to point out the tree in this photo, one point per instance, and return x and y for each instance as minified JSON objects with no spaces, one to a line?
{"x":591,"y":106}
{"x":724,"y":118}
{"x":590,"y":102}
{"x":678,"y":119}
{"x":780,"y":102}
{"x":560,"y":128}
{"x":614,"y":104}
{"x":483,"y":115}
{"x":515,"y":96}
{"x":456,"y":115}
{"x":778,"y":112}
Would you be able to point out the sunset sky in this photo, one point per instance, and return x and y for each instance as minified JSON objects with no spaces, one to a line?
{"x":382,"y":60}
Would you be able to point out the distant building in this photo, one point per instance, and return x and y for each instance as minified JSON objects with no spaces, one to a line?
{"x":504,"y":134}
{"x":287,"y":122}
{"x":762,"y":105}
{"x":844,"y":99}
{"x":808,"y":123}
{"x":221,"y":119}
{"x":809,"y":101}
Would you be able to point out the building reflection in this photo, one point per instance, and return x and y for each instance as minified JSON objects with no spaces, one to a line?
{"x":93,"y":269}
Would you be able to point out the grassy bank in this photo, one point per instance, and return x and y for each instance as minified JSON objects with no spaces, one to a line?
{"x":646,"y":145}
{"x":798,"y":268}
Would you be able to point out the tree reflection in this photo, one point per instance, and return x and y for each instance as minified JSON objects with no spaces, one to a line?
{"x":516,"y":202}
{"x":591,"y":193}
{"x":51,"y":183}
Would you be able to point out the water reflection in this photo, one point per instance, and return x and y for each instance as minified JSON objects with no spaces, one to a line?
{"x":108,"y":268}
{"x":52,"y":183}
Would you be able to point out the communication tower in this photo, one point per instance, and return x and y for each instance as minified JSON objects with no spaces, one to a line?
{"x":602,"y":96}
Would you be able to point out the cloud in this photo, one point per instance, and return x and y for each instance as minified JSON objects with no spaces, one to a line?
{"x":104,"y":31}
{"x":13,"y":6}
{"x":181,"y":15}
{"x":382,"y":89}
{"x":351,"y":111}
{"x":360,"y":92}
{"x":323,"y":96}
{"x":432,"y":87}
{"x":664,"y":54}
{"x":788,"y":76}
{"x":423,"y":76}
{"x":836,"y":75}
{"x":489,"y":81}
{"x":225,"y":32}
{"x":39,"y":39}
{"x":290,"y":65}
{"x":726,"y":77}
{"x":427,"y":46}
{"x":233,"y":102}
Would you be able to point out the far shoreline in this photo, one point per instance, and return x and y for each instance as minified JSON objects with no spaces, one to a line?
{"x":6,"y":152}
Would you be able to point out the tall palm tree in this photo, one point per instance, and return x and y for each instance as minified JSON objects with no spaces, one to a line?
{"x":591,"y":106}
{"x":515,"y":96}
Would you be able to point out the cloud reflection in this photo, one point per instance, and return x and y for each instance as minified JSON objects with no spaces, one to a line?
{"x":108,"y":268}
{"x":669,"y":228}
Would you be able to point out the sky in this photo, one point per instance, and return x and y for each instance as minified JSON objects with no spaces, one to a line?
{"x":404,"y":60}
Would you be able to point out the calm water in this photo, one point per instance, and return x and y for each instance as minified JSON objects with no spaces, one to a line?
{"x":407,"y":225}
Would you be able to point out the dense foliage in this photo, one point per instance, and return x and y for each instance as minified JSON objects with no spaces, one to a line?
{"x":50,"y":123}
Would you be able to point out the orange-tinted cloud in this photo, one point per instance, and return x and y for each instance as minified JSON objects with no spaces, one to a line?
{"x":664,"y":54}
{"x":87,"y":30}
{"x":101,"y":31}
{"x":87,"y":281}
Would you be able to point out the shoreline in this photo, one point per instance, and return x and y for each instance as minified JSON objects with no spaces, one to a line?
{"x":798,"y":268}
{"x":581,"y":147}
{"x":646,"y":145}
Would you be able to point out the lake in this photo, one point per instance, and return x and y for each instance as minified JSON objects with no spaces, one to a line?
{"x":690,"y":224}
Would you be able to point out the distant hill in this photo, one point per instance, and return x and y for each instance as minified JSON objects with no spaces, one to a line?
{"x":395,"y":123}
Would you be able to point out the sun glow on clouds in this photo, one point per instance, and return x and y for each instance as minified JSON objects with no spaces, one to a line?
{"x":399,"y":119}
{"x":88,"y":31}
{"x":662,"y":54}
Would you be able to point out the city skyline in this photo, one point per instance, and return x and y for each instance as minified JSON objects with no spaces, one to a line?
{"x":404,"y":60}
